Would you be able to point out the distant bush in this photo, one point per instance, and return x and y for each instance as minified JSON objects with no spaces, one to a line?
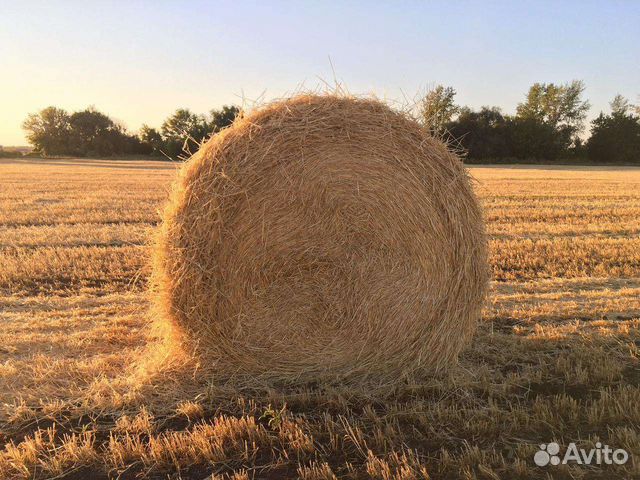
{"x":9,"y":153}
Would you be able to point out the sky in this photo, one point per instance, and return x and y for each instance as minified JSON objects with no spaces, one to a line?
{"x":138,"y":61}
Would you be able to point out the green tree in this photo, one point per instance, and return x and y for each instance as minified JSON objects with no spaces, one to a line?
{"x":437,"y":108}
{"x":561,"y":106}
{"x":488,"y":135}
{"x":620,"y":105}
{"x":531,"y":139}
{"x":95,"y":134}
{"x":151,"y":137}
{"x":615,"y":137}
{"x":49,"y":131}
{"x":222,"y":118}
{"x":481,"y":134}
{"x":183,"y":133}
{"x":89,"y":132}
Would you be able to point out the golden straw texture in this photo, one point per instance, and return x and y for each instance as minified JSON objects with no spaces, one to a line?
{"x":322,"y":237}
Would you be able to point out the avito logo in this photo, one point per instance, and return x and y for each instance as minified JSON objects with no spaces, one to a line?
{"x":549,"y":453}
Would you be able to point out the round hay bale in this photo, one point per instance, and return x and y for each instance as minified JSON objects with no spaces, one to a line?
{"x":322,"y":237}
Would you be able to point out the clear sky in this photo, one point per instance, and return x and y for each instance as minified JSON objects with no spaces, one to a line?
{"x":140,"y":60}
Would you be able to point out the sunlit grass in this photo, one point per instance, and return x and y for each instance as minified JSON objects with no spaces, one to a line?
{"x":556,"y":357}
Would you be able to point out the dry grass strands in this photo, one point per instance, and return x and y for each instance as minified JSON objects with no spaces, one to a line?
{"x":323,"y":238}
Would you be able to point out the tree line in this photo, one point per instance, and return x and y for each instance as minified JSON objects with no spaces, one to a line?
{"x":549,"y":125}
{"x":90,"y":133}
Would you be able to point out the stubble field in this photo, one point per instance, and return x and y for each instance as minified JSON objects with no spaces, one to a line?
{"x":555,"y":359}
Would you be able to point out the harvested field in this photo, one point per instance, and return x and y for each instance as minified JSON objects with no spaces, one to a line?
{"x":555,"y":358}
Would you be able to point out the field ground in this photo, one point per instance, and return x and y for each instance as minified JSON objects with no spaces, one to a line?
{"x":555,"y":359}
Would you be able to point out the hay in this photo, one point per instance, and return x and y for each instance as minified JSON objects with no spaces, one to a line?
{"x":322,"y":238}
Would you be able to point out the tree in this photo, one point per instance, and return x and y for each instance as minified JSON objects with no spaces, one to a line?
{"x":183,"y":132}
{"x":561,"y":106}
{"x":437,"y":108}
{"x":620,"y":105}
{"x":481,"y":134}
{"x":151,"y":137}
{"x":95,"y":134}
{"x":89,"y":132}
{"x":531,"y":139}
{"x":49,"y":131}
{"x":488,"y":135}
{"x":615,"y":137}
{"x":223,"y":118}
